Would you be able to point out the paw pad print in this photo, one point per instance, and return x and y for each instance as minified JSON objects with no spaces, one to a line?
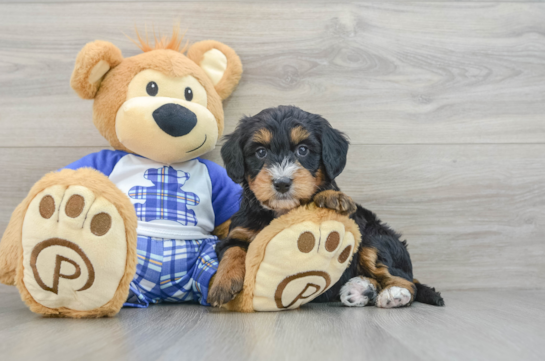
{"x":165,"y":199}
{"x":74,"y":248}
{"x":318,"y":255}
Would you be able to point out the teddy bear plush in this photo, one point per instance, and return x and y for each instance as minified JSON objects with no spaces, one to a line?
{"x":139,"y":224}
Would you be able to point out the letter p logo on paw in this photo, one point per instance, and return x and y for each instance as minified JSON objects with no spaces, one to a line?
{"x":301,"y":286}
{"x":58,"y":268}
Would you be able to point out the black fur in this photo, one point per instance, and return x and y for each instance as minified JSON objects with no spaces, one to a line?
{"x":334,"y":150}
{"x":426,"y":294}
{"x":231,"y":152}
{"x":328,"y":149}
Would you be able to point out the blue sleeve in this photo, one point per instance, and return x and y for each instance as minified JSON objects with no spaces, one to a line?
{"x":225,"y":193}
{"x":103,"y":161}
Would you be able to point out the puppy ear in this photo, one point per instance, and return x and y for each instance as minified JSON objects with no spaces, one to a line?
{"x":219,"y":62}
{"x":92,"y":63}
{"x":233,"y":158}
{"x":334,"y":150}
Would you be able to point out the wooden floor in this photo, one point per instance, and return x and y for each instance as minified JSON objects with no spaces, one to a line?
{"x":444,"y":102}
{"x":486,"y":325}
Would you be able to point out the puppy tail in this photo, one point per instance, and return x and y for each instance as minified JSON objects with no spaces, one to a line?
{"x":428,"y":295}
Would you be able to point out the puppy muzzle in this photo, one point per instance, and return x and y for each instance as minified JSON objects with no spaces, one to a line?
{"x":282,"y":178}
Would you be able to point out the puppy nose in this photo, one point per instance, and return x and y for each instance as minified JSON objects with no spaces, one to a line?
{"x":174,"y":119}
{"x":282,"y":185}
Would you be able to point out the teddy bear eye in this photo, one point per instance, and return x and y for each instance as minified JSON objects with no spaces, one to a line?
{"x":188,"y":94}
{"x":152,"y":88}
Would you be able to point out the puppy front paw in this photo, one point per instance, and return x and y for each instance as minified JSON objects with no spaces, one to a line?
{"x":224,"y":290}
{"x":338,"y":201}
{"x":229,"y":279}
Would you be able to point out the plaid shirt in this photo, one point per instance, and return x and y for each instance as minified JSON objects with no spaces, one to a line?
{"x":184,"y":200}
{"x":165,"y":199}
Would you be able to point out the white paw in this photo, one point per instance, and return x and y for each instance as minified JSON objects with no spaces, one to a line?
{"x":74,"y":248}
{"x":393,"y":297}
{"x":301,"y":263}
{"x":358,"y":292}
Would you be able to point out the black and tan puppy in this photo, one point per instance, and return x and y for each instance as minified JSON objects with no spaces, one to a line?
{"x":285,"y":157}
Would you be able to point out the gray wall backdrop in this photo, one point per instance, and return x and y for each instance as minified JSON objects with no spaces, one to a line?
{"x":444,"y":102}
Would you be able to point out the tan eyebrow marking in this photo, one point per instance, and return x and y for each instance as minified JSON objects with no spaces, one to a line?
{"x":298,"y":134}
{"x":263,"y":136}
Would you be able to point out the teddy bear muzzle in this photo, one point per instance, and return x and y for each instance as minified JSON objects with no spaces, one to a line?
{"x":174,"y":119}
{"x":166,"y":130}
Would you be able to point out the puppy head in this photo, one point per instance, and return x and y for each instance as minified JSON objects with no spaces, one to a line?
{"x":284,"y":155}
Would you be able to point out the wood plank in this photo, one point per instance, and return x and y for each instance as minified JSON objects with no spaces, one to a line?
{"x":275,"y":1}
{"x":467,"y":210}
{"x":479,"y":331}
{"x":386,"y":73}
{"x":468,"y":328}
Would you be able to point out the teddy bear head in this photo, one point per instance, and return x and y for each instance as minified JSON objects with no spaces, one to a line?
{"x":160,"y":104}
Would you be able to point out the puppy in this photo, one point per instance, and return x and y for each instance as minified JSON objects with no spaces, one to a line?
{"x":285,"y":157}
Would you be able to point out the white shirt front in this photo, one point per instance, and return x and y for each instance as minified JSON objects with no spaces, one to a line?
{"x":169,"y":200}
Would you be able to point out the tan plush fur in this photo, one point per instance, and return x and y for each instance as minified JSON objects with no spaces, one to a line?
{"x":174,"y":43}
{"x":87,"y":58}
{"x":10,"y":246}
{"x":165,"y":57}
{"x":256,"y":252}
{"x":101,"y":186}
{"x":231,"y":77}
{"x":113,"y":91}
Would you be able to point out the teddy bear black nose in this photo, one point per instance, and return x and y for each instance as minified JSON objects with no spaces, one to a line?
{"x":174,"y":119}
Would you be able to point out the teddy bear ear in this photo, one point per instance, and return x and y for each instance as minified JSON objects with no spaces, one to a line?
{"x":219,"y":62}
{"x":92,"y":63}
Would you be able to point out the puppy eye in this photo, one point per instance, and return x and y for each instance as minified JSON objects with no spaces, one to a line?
{"x":188,"y":94}
{"x":302,"y":151}
{"x":261,"y":153}
{"x":152,"y":88}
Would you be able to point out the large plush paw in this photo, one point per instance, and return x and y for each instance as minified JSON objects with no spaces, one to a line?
{"x":337,"y":201}
{"x":74,"y":249}
{"x":358,"y":292}
{"x":393,"y":297}
{"x":300,"y":263}
{"x":229,"y":279}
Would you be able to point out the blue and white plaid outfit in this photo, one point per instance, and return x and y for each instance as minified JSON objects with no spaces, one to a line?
{"x":165,"y":199}
{"x":176,"y":248}
{"x":170,"y":270}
